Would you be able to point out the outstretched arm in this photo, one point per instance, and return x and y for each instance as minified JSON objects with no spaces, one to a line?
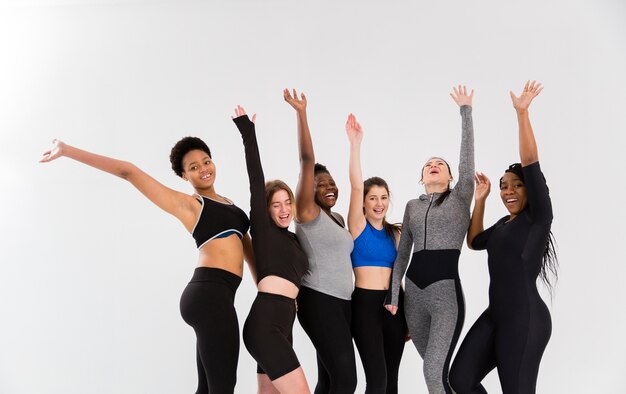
{"x":465,"y":183}
{"x":356,"y":219}
{"x":171,"y":201}
{"x":258,"y":204}
{"x":527,"y":145}
{"x":483,"y":187}
{"x":307,"y":209}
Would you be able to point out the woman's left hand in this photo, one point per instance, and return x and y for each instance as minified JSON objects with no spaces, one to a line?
{"x":240,"y":111}
{"x":460,"y":96}
{"x":531,"y":90}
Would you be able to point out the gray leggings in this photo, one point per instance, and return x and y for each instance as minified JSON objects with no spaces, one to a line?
{"x":435,"y":317}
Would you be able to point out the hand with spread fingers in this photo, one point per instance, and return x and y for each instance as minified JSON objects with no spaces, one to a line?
{"x":299,"y":104}
{"x":531,"y":90}
{"x":460,"y":96}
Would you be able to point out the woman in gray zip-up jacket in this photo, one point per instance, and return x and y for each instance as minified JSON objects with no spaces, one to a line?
{"x":434,"y":227}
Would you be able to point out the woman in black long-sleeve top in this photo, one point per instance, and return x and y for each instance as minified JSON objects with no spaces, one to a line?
{"x":514,"y":330}
{"x":280,"y":264}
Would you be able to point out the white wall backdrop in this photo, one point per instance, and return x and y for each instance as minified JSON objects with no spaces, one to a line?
{"x":91,"y":272}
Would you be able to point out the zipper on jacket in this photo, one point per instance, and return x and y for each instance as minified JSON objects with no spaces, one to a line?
{"x":426,"y":218}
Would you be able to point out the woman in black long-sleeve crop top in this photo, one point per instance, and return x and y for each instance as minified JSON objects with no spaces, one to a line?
{"x":280,"y":265}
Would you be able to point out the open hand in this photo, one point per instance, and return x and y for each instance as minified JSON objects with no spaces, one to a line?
{"x":299,"y":104}
{"x":531,"y":90}
{"x":483,"y":186}
{"x":54,"y":153}
{"x":239,"y":111}
{"x":353,"y":129}
{"x":460,"y":96}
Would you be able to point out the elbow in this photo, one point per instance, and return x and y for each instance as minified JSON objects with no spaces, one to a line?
{"x":126,"y":170}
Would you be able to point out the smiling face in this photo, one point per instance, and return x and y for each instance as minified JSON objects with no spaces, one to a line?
{"x":326,"y":191}
{"x":376,"y":203}
{"x":513,"y":193}
{"x":436,"y":172}
{"x":198,"y":169}
{"x":280,"y":208}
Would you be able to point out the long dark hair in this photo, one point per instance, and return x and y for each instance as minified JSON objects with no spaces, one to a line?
{"x":390,"y":228}
{"x":550,"y":260}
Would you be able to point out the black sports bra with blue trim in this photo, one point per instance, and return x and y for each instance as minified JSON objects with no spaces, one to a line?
{"x":219,"y":220}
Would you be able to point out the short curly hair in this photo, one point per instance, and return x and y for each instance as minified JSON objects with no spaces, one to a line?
{"x":320,"y":169}
{"x":183,"y":147}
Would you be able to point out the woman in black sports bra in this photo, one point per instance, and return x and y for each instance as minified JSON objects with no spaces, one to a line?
{"x":220,"y":230}
{"x":280,"y":265}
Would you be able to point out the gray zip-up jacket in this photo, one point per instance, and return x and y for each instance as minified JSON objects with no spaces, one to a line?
{"x":437,"y":227}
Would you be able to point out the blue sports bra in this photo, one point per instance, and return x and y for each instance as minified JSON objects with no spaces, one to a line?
{"x":219,"y":220}
{"x":373,"y":248}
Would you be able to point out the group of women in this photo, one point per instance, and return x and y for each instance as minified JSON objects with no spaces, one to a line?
{"x":310,"y":273}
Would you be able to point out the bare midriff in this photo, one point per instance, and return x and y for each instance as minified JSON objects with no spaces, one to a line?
{"x":372,"y":278}
{"x":277,"y":285}
{"x":224,"y":253}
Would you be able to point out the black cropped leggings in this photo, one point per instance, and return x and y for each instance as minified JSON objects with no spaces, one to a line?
{"x":207,"y":305}
{"x":267,"y":334}
{"x":326,"y":320}
{"x":379,"y":337}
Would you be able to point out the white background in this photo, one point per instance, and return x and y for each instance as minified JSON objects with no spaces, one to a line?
{"x":91,"y":272}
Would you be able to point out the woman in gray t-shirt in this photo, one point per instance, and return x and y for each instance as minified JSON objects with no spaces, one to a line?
{"x":324,"y":300}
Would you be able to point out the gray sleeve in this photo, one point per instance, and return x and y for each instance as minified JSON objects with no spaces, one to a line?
{"x":465,"y":185}
{"x":402,"y":258}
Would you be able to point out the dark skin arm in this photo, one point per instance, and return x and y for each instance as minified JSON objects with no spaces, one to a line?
{"x":527,"y":146}
{"x":305,"y":196}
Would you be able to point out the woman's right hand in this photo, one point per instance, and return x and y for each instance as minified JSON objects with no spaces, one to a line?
{"x":54,"y":153}
{"x":483,"y":186}
{"x":299,"y":104}
{"x":354,"y":130}
{"x":392,"y":309}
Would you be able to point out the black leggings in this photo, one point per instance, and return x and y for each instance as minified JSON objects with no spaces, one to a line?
{"x":207,"y":305}
{"x":379,"y":337}
{"x":267,"y":334}
{"x":326,"y":320}
{"x":514,"y":344}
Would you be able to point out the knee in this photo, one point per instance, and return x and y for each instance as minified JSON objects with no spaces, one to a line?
{"x":344,"y":383}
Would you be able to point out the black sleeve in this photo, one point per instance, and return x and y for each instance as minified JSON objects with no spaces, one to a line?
{"x":259,"y":220}
{"x":480,"y":241}
{"x":539,"y":204}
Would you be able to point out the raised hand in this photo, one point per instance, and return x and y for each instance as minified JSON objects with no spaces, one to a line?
{"x":460,"y":96}
{"x":483,"y":186}
{"x":354,"y":130}
{"x":531,"y":90}
{"x":54,"y":153}
{"x":299,"y":104}
{"x":240,"y":111}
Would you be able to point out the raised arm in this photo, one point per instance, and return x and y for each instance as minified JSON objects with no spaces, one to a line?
{"x":527,"y":145}
{"x":178,"y":204}
{"x":356,"y":218}
{"x":465,"y":183}
{"x":307,"y":209}
{"x":258,"y":205}
{"x":483,"y":187}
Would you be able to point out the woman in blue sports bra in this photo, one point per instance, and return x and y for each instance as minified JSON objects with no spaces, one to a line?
{"x":220,"y":230}
{"x":378,"y":335}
